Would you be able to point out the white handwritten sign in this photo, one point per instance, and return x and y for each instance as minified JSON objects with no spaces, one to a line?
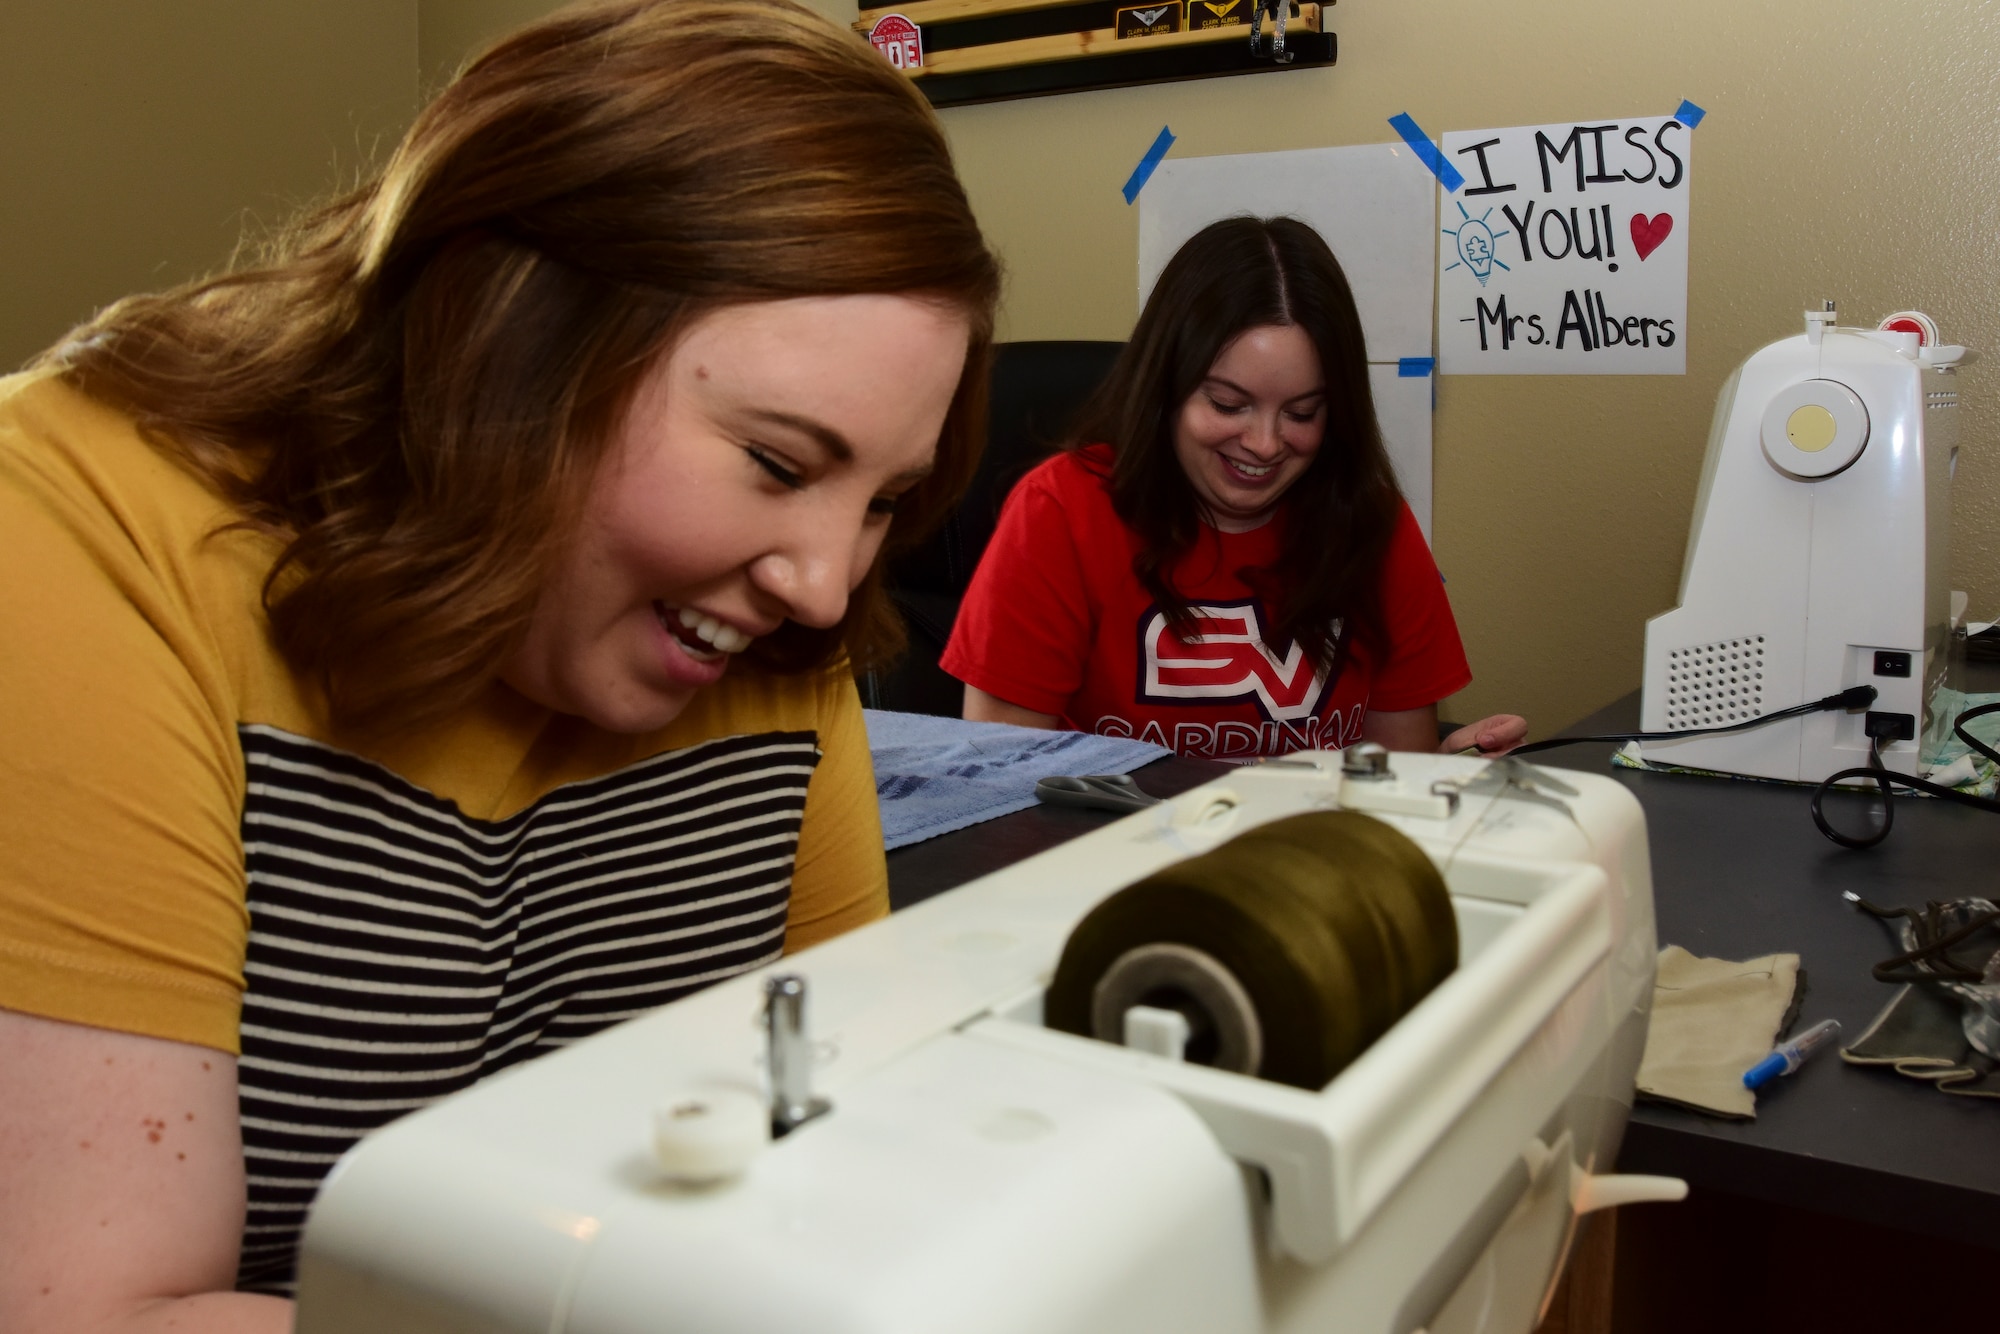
{"x":1566,"y":251}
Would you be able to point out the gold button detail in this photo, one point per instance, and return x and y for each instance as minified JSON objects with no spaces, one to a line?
{"x":1810,"y":428}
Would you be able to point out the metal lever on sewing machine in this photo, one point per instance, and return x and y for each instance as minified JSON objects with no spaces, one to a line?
{"x":790,"y":1055}
{"x":1367,"y":783}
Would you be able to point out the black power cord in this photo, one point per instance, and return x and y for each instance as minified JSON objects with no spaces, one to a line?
{"x":1886,"y":779}
{"x":1854,"y":697}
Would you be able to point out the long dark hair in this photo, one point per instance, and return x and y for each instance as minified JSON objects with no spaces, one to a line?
{"x":1234,"y":275}
{"x":414,"y":386}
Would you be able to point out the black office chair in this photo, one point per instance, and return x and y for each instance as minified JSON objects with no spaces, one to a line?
{"x":1037,"y":389}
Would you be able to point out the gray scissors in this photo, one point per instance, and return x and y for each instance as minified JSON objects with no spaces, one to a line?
{"x":1096,"y":792}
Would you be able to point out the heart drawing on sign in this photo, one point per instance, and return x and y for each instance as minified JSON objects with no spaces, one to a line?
{"x":1647,"y":234}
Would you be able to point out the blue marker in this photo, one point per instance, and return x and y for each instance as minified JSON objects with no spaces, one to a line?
{"x":1789,"y":1056}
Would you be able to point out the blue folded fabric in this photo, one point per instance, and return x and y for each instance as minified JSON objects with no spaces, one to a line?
{"x":934,"y":775}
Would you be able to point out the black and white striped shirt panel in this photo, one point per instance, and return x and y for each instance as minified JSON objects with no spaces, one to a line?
{"x":400,"y":951}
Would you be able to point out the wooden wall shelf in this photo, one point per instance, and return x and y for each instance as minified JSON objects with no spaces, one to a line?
{"x":990,"y":50}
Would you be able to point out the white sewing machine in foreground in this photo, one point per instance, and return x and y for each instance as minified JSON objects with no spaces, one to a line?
{"x":1818,"y":558}
{"x":981,"y":1174}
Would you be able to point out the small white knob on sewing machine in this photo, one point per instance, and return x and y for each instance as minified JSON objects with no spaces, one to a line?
{"x":710,"y":1134}
{"x":1814,"y":429}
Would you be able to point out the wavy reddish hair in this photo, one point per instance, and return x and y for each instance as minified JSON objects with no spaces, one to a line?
{"x":415,"y":384}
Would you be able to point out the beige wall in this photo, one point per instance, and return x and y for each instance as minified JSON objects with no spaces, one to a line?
{"x":450,"y":31}
{"x":142,"y":138}
{"x":1848,"y":152}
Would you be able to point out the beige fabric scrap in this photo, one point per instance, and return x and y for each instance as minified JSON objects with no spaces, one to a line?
{"x":1712,"y":1020}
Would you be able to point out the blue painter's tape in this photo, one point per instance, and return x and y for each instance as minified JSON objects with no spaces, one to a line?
{"x":1144,"y":171}
{"x":1412,"y":368}
{"x":1689,"y":115}
{"x":1426,"y":151}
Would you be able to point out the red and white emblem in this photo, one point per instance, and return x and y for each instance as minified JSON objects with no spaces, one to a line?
{"x":1228,"y":659}
{"x":900,"y":41}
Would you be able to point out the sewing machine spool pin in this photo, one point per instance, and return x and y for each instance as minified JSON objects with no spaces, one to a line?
{"x":1222,"y":1025}
{"x":1367,"y":761}
{"x":1367,"y":783}
{"x":789,"y":1055}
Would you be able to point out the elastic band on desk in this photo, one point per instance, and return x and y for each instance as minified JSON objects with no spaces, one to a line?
{"x":1426,"y":151}
{"x":1689,"y":114}
{"x":1413,"y":368}
{"x":1144,"y":171}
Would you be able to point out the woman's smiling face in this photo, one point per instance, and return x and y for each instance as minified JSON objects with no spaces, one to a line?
{"x":1253,"y":425}
{"x":750,"y":483}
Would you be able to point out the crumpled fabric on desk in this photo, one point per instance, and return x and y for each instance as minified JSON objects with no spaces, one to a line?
{"x":1712,"y":1020}
{"x":1920,"y":1034}
{"x":1935,"y":1024}
{"x":1950,"y":760}
{"x":934,"y":775}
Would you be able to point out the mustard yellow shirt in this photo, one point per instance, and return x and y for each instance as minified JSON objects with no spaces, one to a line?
{"x":138,"y":682}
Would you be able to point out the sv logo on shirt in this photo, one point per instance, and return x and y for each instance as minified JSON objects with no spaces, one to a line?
{"x":1227,"y":659}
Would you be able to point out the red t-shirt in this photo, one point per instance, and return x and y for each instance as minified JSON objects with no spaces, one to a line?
{"x":1055,"y":621}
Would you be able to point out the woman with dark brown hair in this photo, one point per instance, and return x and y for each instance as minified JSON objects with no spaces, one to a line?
{"x":1222,"y":562}
{"x":431,"y":644}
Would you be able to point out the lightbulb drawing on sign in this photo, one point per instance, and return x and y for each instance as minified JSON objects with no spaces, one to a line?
{"x":1475,"y":239}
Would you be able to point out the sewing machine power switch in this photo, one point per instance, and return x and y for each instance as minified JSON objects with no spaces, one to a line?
{"x":1889,"y":663}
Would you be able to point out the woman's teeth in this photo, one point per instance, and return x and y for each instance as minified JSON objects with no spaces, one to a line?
{"x":1249,"y":469}
{"x":709,"y":631}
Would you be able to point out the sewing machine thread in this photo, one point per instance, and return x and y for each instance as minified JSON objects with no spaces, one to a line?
{"x":1289,"y":949}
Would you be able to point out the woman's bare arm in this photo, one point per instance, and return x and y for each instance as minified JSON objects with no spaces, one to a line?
{"x":1417,"y":729}
{"x":981,"y":707}
{"x":1404,"y":729}
{"x":121,"y":1186}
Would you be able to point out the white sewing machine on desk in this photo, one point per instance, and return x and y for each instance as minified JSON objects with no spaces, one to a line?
{"x":1819,"y":556}
{"x":978,"y":1173}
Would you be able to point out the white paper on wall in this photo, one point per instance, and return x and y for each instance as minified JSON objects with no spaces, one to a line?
{"x":1403,"y":411}
{"x":1566,"y":251}
{"x":1374,"y":204}
{"x":1376,"y":207}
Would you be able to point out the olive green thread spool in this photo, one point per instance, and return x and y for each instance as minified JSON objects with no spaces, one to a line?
{"x":1289,"y":949}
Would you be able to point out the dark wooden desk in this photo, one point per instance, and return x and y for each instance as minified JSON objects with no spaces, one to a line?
{"x":1738,"y":871}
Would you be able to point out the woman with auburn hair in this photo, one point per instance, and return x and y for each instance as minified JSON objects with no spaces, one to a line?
{"x":431,"y":644}
{"x":1221,"y":562}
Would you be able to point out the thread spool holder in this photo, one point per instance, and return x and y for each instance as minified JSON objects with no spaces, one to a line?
{"x":1332,"y":1156}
